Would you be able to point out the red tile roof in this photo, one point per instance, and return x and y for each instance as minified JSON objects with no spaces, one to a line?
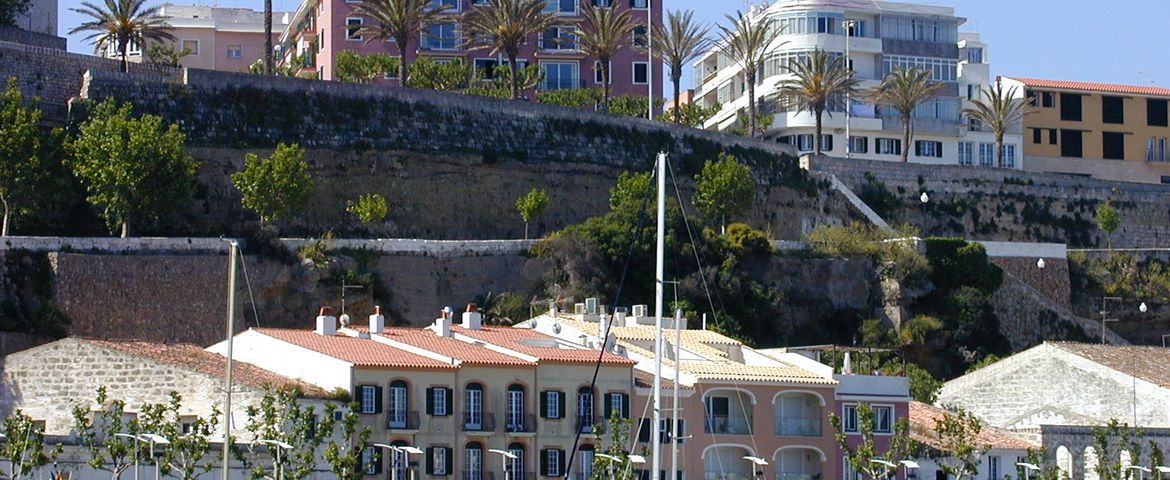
{"x":361,"y":352}
{"x":1094,"y":87}
{"x":539,"y":345}
{"x":194,"y":358}
{"x":468,"y":353}
{"x":1144,"y":362}
{"x":922,"y":422}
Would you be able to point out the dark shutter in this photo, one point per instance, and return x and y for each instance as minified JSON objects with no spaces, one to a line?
{"x":544,"y":404}
{"x":1037,"y":135}
{"x":361,"y":467}
{"x":448,"y":457}
{"x":560,"y":462}
{"x":938,"y":146}
{"x":681,"y":429}
{"x":608,"y":402}
{"x":431,"y":401}
{"x":430,"y":460}
{"x":918,"y":148}
{"x":625,"y":405}
{"x":544,"y":463}
{"x":644,"y":431}
{"x":377,"y":399}
{"x":448,"y":403}
{"x":561,"y":405}
{"x":378,"y":457}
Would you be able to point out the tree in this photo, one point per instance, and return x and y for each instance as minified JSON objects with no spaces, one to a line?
{"x":503,"y":27}
{"x":747,"y":42}
{"x":679,"y":41}
{"x":819,"y":82}
{"x":400,"y":20}
{"x":344,"y":454}
{"x":280,"y":416}
{"x":135,"y":169}
{"x":903,"y":90}
{"x":165,"y":54}
{"x":958,"y":437}
{"x":1108,"y":220}
{"x":1108,"y":442}
{"x":119,"y":23}
{"x":617,"y":429}
{"x":742,"y":126}
{"x":350,"y":66}
{"x":278,"y":186}
{"x":690,"y":114}
{"x":96,"y":432}
{"x":369,"y":208}
{"x":268,"y":63}
{"x":24,"y":448}
{"x":21,"y":168}
{"x":605,"y":31}
{"x":999,"y":110}
{"x":531,"y":205}
{"x":724,"y":188}
{"x":189,"y":437}
{"x":10,"y":9}
{"x":444,"y":77}
{"x":860,"y":457}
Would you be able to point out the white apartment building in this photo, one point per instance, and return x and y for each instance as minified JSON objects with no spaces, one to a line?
{"x":882,"y":36}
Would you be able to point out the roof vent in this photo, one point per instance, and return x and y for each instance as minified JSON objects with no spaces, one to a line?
{"x":472,"y":319}
{"x":326,"y":322}
{"x":377,"y":320}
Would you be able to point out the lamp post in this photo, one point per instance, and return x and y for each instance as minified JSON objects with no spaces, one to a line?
{"x":757,"y":462}
{"x":155,"y":439}
{"x":848,"y":24}
{"x":890,"y":466}
{"x":1161,"y":469}
{"x":504,"y":457}
{"x":276,"y":445}
{"x":135,"y":438}
{"x":1040,"y":264}
{"x":635,"y":460}
{"x":1139,"y":468}
{"x":612,"y":460}
{"x":406,"y":451}
{"x":1028,"y":467}
{"x":1105,"y":313}
{"x":924,"y":199}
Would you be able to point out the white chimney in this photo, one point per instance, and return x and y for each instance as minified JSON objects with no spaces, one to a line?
{"x":639,"y":311}
{"x":443,"y":323}
{"x":326,"y":322}
{"x":602,"y":326}
{"x":472,"y":319}
{"x":377,"y":320}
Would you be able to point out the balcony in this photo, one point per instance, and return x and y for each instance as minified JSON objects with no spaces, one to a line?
{"x":477,"y":476}
{"x":798,"y":427}
{"x":797,"y":476}
{"x":484,"y":422}
{"x":727,"y":476}
{"x":586,"y":424}
{"x":399,"y":421}
{"x":728,"y":425}
{"x":520,"y":423}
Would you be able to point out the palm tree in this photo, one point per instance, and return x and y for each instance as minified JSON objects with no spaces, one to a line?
{"x":747,"y":42}
{"x":679,"y":41}
{"x":121,"y":22}
{"x":903,"y":90}
{"x":606,"y":31}
{"x":504,"y":26}
{"x":268,"y":37}
{"x":819,"y":81}
{"x":399,"y":20}
{"x":1000,"y":111}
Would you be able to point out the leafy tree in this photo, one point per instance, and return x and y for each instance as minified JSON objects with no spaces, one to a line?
{"x":21,"y":168}
{"x":747,"y":42}
{"x":278,"y":186}
{"x":605,"y":31}
{"x":690,"y":114}
{"x":999,"y":110}
{"x":724,"y":188}
{"x":97,"y":432}
{"x":1108,"y":220}
{"x":183,"y":458}
{"x":10,"y":9}
{"x":505,"y":308}
{"x":120,"y":23}
{"x":860,"y":457}
{"x":1048,"y":470}
{"x":503,"y":28}
{"x":531,"y":205}
{"x":1108,"y":442}
{"x":431,"y":75}
{"x":24,"y":450}
{"x":290,"y":69}
{"x":345,"y":456}
{"x":958,"y":437}
{"x":614,"y":434}
{"x":165,"y":54}
{"x":630,"y":197}
{"x":369,"y":208}
{"x":819,"y":82}
{"x":400,"y":20}
{"x":742,"y":127}
{"x":677,"y":42}
{"x":744,"y":241}
{"x":903,"y":90}
{"x":281,"y":417}
{"x":350,"y":66}
{"x":134,"y":169}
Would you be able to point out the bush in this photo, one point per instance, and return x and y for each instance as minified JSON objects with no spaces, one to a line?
{"x":369,"y":208}
{"x":317,"y":250}
{"x":957,"y":262}
{"x":743,"y":240}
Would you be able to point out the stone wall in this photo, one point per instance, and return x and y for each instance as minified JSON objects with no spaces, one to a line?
{"x":29,"y":37}
{"x":1028,"y":317}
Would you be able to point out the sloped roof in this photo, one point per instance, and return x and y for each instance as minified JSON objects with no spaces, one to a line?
{"x":733,"y":371}
{"x":1147,"y":363}
{"x":536,"y":344}
{"x":1094,"y":87}
{"x":196,"y":359}
{"x":646,"y":380}
{"x":361,"y":352}
{"x":468,"y":353}
{"x":924,"y":416}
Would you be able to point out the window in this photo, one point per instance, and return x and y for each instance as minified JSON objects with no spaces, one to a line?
{"x":641,"y":73}
{"x":515,"y":466}
{"x":452,"y":6}
{"x":941,"y":69}
{"x":1009,"y":155}
{"x":1156,"y":115}
{"x":1071,"y":143}
{"x":235,"y":51}
{"x":597,"y":72}
{"x":352,"y":26}
{"x":438,"y":461}
{"x":371,"y":461}
{"x":552,"y":404}
{"x":859,"y":144}
{"x":801,"y":23}
{"x":558,"y":37}
{"x":966,"y":153}
{"x":856,"y":28}
{"x":639,"y":4}
{"x":585,"y":410}
{"x":473,"y":462}
{"x":1037,"y":136}
{"x":639,"y":34}
{"x":883,"y":419}
{"x":889,"y":146}
{"x":585,"y":464}
{"x":1070,"y":107}
{"x":371,"y":396}
{"x":561,"y":6}
{"x":603,"y":3}
{"x":987,"y":154}
{"x":441,"y":36}
{"x":439,"y":401}
{"x":993,"y":468}
{"x":191,"y":46}
{"x":473,"y":407}
{"x":514,"y":409}
{"x":974,"y":54}
{"x":928,"y":148}
{"x":560,"y":76}
{"x":552,"y":462}
{"x":919,"y":29}
{"x":826,"y":143}
{"x":1112,"y":109}
{"x":718,"y":411}
{"x":1113,"y":145}
{"x":1047,"y":99}
{"x":1052,"y":136}
{"x":398,"y":401}
{"x":850,"y":473}
{"x":617,"y":404}
{"x":488,"y":68}
{"x":849,"y":418}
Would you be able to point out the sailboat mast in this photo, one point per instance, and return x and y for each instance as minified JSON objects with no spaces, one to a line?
{"x":674,"y":403}
{"x":659,"y":268}
{"x":231,"y":327}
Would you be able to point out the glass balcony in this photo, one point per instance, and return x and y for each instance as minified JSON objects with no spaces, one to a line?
{"x":727,"y":476}
{"x":728,"y":425}
{"x":797,"y":476}
{"x":798,"y":427}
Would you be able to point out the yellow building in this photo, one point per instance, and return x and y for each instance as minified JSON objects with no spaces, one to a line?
{"x":1108,"y":131}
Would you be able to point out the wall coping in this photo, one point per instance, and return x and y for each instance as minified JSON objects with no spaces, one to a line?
{"x":213,"y":245}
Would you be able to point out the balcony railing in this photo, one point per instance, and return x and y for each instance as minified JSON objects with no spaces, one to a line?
{"x":484,"y":422}
{"x":586,"y":424}
{"x":797,"y":476}
{"x":798,"y":427}
{"x":478,"y":476}
{"x":402,"y":420}
{"x":728,"y":425}
{"x":727,"y":476}
{"x":522,"y":423}
{"x":568,"y":83}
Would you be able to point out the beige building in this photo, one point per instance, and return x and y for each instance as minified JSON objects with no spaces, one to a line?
{"x":1109,"y":131}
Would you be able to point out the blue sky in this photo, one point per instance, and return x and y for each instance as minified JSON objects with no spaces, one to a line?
{"x":1119,"y":41}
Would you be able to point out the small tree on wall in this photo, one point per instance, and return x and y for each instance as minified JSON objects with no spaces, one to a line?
{"x":1108,"y":221}
{"x":369,"y":209}
{"x":861,"y":451}
{"x":20,"y":148}
{"x":724,"y":188}
{"x":278,"y":186}
{"x":531,"y":205}
{"x":958,"y":437}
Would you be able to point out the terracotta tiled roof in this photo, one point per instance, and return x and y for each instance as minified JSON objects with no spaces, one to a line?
{"x":539,"y":345}
{"x":1094,"y":87}
{"x":194,"y":358}
{"x":737,"y":371}
{"x":361,"y":352}
{"x":695,"y":341}
{"x":1146,"y":363}
{"x":646,"y":380}
{"x":922,"y":421}
{"x":468,"y":353}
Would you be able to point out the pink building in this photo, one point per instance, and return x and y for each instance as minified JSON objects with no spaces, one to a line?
{"x":319,"y":29}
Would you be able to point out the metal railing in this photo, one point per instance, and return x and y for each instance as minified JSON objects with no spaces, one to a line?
{"x":797,"y":476}
{"x":402,"y":420}
{"x":586,"y":424}
{"x":798,"y":426}
{"x":728,"y":425}
{"x":522,"y":423}
{"x":727,"y":476}
{"x":484,"y":422}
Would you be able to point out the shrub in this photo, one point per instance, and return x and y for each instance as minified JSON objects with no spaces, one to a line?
{"x":743,"y":240}
{"x":369,"y":208}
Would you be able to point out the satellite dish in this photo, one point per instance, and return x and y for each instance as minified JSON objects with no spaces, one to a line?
{"x":557,"y":327}
{"x":344,"y":319}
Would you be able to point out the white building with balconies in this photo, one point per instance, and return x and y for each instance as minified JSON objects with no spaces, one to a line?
{"x":875,"y":38}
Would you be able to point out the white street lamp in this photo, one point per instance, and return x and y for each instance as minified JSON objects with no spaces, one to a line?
{"x":924,"y":198}
{"x":1143,"y":307}
{"x":1028,"y":467}
{"x":504,"y":457}
{"x":132,"y":437}
{"x":406,"y":451}
{"x":1161,"y":469}
{"x":757,"y":462}
{"x":1040,"y":264}
{"x":612,"y":459}
{"x":153,"y":439}
{"x":277,"y":446}
{"x":1144,"y":470}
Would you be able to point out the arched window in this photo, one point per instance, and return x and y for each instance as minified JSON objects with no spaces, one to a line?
{"x":399,"y":399}
{"x":514,"y":408}
{"x":585,"y":410}
{"x":473,"y":467}
{"x":399,"y":460}
{"x":473,"y":408}
{"x":516,"y":465}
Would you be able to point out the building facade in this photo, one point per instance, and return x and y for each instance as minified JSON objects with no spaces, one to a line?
{"x":999,"y":460}
{"x":320,"y":29}
{"x":41,"y":17}
{"x":1109,"y":131}
{"x":875,"y":38}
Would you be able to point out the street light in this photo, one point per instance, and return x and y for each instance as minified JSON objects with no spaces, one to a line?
{"x":279,"y":445}
{"x":405,"y":451}
{"x":612,"y":460}
{"x":504,"y":457}
{"x":1040,"y":264}
{"x":1028,"y":467}
{"x":1139,"y":468}
{"x":132,"y":437}
{"x":145,"y":437}
{"x":757,"y":462}
{"x":1161,"y":469}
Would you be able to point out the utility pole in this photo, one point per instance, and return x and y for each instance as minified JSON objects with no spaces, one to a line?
{"x":1105,"y":314}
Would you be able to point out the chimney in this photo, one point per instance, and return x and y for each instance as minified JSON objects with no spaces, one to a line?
{"x":326,"y":322}
{"x":619,"y":318}
{"x":602,"y":326}
{"x":443,"y":323}
{"x":377,"y":320}
{"x":472,"y":319}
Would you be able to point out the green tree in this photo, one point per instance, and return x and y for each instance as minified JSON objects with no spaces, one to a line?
{"x":353,"y":67}
{"x":724,"y":188}
{"x":135,"y":169}
{"x":344,"y":452}
{"x":819,"y":83}
{"x":97,"y":433}
{"x":903,"y":90}
{"x":690,"y":114}
{"x":742,"y":125}
{"x":10,"y":9}
{"x":442,"y":76}
{"x":1108,"y":442}
{"x":280,"y":416}
{"x":677,"y":42}
{"x":861,"y":456}
{"x":400,"y":20}
{"x":1000,"y":111}
{"x":958,"y":437}
{"x":278,"y":186}
{"x":747,"y":42}
{"x":118,"y":23}
{"x":369,"y":208}
{"x":21,"y":168}
{"x":631,"y":195}
{"x":614,"y":436}
{"x":189,"y":437}
{"x":503,"y":28}
{"x":1108,"y":221}
{"x":605,"y":31}
{"x":531,"y":205}
{"x":24,"y":448}
{"x":165,"y":54}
